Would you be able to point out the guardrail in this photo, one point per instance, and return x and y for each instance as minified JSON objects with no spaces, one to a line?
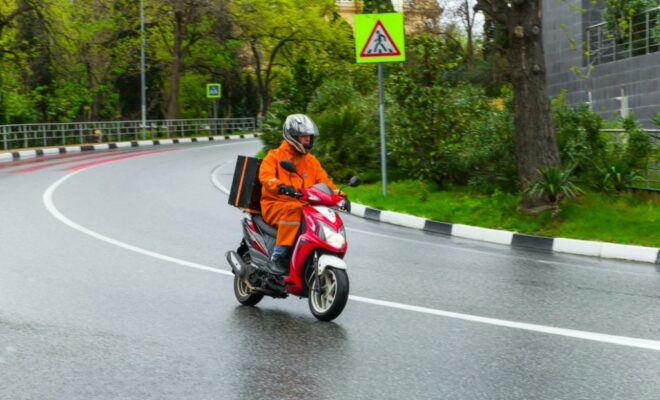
{"x":607,"y":45}
{"x":59,"y":134}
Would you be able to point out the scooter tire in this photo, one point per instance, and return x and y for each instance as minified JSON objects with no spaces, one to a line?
{"x":328,"y":304}
{"x":243,"y":294}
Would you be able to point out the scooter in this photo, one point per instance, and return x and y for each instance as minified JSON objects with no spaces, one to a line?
{"x":317,"y":269}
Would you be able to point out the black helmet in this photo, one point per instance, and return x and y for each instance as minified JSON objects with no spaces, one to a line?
{"x":299,"y":125}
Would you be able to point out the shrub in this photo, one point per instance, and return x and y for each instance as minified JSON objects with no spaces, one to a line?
{"x":272,"y":125}
{"x":638,"y":148}
{"x":656,"y":119}
{"x":348,"y":122}
{"x":554,"y":184}
{"x":578,"y":137}
{"x":618,"y":176}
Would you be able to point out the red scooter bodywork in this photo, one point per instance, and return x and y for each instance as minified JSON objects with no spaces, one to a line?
{"x":309,"y":240}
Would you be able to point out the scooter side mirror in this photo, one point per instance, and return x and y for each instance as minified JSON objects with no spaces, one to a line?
{"x":288,"y":165}
{"x":354,"y":181}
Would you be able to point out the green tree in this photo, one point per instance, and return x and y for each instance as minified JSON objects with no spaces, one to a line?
{"x":444,"y":133}
{"x":182,"y":30}
{"x":274,"y":31}
{"x":377,"y":6}
{"x":10,"y":12}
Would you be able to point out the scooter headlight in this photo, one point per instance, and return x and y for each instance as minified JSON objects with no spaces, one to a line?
{"x":328,"y":234}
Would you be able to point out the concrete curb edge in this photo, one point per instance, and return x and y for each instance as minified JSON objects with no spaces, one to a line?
{"x":513,"y":239}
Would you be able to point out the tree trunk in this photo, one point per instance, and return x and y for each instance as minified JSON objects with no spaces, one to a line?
{"x":176,"y":67}
{"x":536,"y":145}
{"x":262,"y":86}
{"x":469,"y":28}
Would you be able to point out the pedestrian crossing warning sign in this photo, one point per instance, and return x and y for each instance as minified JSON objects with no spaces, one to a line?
{"x":379,"y":38}
{"x":380,"y":43}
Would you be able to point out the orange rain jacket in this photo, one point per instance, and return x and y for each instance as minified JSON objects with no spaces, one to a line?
{"x":279,"y":209}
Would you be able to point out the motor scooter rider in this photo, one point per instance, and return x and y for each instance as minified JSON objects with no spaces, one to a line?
{"x":278,"y":185}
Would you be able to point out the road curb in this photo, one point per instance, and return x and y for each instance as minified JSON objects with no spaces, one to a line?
{"x":8,"y":156}
{"x":513,"y":239}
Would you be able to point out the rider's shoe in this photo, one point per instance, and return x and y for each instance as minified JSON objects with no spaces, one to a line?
{"x":279,"y":265}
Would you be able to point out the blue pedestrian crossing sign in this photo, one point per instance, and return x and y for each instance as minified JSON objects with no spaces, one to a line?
{"x":213,"y":90}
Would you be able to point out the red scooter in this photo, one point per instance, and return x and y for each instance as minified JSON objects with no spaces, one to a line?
{"x":317,"y":269}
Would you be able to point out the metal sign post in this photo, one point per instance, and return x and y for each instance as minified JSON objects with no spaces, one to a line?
{"x":143,"y":84}
{"x":214,"y":92}
{"x":383,"y":145}
{"x":380,"y":38}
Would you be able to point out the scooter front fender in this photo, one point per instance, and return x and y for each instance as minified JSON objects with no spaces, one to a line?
{"x":327,"y":260}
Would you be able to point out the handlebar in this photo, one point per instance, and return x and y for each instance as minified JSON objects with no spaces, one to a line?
{"x":314,"y":196}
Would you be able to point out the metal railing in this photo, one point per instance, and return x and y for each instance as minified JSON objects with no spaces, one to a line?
{"x":61,"y":134}
{"x":607,"y":45}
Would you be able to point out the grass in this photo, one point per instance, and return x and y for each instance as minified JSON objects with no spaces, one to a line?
{"x":626,"y":218}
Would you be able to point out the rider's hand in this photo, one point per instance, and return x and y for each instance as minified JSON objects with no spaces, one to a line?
{"x":347,"y":205}
{"x":287,"y":190}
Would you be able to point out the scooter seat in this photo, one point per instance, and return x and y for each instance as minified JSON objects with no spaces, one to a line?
{"x":269,"y":230}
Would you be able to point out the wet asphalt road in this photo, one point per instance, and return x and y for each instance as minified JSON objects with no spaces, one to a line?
{"x":84,"y":318}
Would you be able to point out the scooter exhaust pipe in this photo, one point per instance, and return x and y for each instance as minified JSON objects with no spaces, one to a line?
{"x":237,"y":265}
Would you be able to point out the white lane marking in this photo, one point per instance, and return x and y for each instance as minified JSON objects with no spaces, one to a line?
{"x":592,"y":336}
{"x":50,"y":206}
{"x":215,"y":180}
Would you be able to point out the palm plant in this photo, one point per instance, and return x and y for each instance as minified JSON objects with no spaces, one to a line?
{"x":555,"y":184}
{"x":619,"y":176}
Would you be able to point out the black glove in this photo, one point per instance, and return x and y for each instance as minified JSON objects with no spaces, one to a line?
{"x":287,"y":190}
{"x":347,"y":205}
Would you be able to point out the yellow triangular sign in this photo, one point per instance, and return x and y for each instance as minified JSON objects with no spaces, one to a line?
{"x":380,"y":43}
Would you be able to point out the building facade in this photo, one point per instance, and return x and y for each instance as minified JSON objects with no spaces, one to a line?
{"x":616,"y":76}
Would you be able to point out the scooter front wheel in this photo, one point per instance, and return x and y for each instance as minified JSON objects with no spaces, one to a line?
{"x":243,"y":293}
{"x":329,"y":301}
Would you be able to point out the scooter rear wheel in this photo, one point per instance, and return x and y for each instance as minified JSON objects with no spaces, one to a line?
{"x":243,"y":293}
{"x":327,"y":303}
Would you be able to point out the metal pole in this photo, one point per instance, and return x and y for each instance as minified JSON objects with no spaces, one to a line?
{"x":383,"y":156}
{"x":143,"y":88}
{"x":215,"y":117}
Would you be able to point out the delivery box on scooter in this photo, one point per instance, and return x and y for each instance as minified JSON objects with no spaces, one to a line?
{"x":245,"y":190}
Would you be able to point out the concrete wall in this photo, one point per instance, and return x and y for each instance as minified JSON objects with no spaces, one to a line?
{"x":639,"y":77}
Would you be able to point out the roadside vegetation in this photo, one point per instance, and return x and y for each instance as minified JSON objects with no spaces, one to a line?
{"x":628,"y":217}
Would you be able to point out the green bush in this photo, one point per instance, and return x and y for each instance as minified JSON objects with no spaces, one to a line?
{"x":618,"y":176}
{"x":272,"y":125}
{"x":348,"y":126}
{"x":579,"y":139}
{"x":638,"y":148}
{"x":656,"y":119}
{"x":555,"y":184}
{"x":449,"y":134}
